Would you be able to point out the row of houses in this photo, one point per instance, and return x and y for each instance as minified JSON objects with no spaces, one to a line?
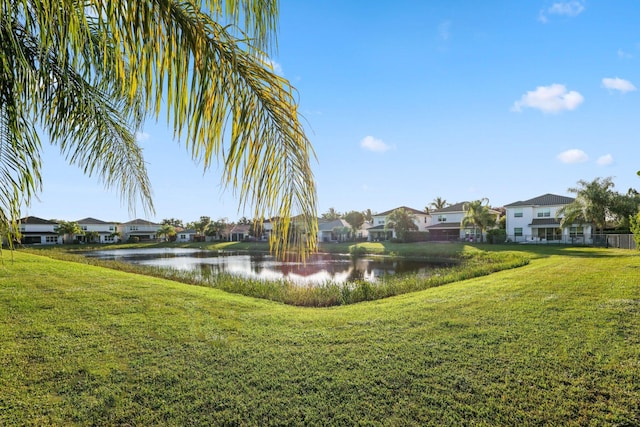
{"x":533,"y":220}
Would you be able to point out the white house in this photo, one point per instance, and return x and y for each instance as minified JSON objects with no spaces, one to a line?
{"x":377,"y":231}
{"x":333,"y":231}
{"x":184,"y":236}
{"x":140,"y":228}
{"x":38,"y":231}
{"x":538,"y":220}
{"x":447,"y":224}
{"x":107,"y":231}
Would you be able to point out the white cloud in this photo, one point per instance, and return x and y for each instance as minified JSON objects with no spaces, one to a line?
{"x":549,"y":99}
{"x":573,"y":156}
{"x":605,"y":160}
{"x":624,"y":55}
{"x":373,"y":144}
{"x":141,"y":136}
{"x":622,"y":85}
{"x":568,"y":8}
{"x":444,"y":30}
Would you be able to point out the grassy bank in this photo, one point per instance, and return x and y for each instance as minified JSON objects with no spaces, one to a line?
{"x":464,"y":262}
{"x":555,"y":342}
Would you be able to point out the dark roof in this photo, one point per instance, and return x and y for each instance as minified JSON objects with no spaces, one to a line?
{"x":444,"y":226}
{"x":545,"y":221}
{"x":377,"y":227}
{"x":139,"y":222}
{"x":330,"y":225}
{"x":36,"y":220}
{"x":458,"y":207}
{"x":544,"y":200}
{"x":92,"y":221}
{"x":412,"y":210}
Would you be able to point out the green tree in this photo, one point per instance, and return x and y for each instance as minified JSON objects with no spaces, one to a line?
{"x":623,"y":207}
{"x":166,"y":231}
{"x":355,"y":220}
{"x":216,"y":228}
{"x":438,"y":203}
{"x":478,"y":215}
{"x":331,"y":214}
{"x":68,"y":229}
{"x":88,"y":74}
{"x":91,"y":236}
{"x":402,"y":221}
{"x":173,"y":221}
{"x":634,"y":226}
{"x":592,"y":203}
{"x":368,"y":215}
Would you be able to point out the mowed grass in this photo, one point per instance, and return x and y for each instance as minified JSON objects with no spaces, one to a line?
{"x":556,"y":342}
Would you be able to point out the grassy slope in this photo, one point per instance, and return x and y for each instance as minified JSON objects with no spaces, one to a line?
{"x":557,"y":341}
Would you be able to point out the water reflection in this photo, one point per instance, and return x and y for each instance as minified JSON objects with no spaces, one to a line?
{"x":320,"y":268}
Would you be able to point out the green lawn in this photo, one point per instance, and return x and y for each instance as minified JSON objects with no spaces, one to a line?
{"x":556,"y":342}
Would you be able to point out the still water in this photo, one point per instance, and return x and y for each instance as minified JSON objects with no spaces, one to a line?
{"x":320,"y":268}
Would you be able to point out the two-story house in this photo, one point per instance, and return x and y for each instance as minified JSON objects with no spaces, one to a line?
{"x":140,"y":228}
{"x":38,"y":231}
{"x":107,"y":231}
{"x":538,"y":220}
{"x":447,"y":224}
{"x":378,"y":230}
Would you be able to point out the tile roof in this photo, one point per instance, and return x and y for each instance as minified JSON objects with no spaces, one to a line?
{"x":140,"y":222}
{"x":330,"y":225}
{"x":545,"y":221}
{"x":36,"y":220}
{"x":544,"y":200}
{"x":412,"y":210}
{"x":93,"y":221}
{"x":458,"y":207}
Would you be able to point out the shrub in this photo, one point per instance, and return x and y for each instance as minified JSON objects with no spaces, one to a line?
{"x":496,"y":236}
{"x":133,"y":239}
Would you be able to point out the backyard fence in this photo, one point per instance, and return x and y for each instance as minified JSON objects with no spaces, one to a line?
{"x":622,"y":241}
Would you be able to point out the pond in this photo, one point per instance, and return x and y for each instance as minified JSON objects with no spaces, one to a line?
{"x":320,"y":268}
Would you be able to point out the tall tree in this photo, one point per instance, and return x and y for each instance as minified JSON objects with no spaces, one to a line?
{"x":173,"y":221}
{"x":201,"y":225}
{"x":368,"y":215}
{"x":592,"y":203}
{"x":331,"y":214}
{"x":89,"y":73}
{"x":355,"y":220}
{"x":478,"y":215}
{"x":402,"y":221}
{"x":216,"y":228}
{"x":438,"y":203}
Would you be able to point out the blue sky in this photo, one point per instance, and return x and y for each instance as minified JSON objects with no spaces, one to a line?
{"x":407,"y":101}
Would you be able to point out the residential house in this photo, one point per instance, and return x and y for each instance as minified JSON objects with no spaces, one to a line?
{"x":239,"y":232}
{"x":378,"y":232}
{"x":447,"y":225}
{"x":538,"y":220}
{"x":38,"y":231}
{"x":184,"y":236}
{"x":107,"y":231}
{"x":337,"y":230}
{"x":140,"y":228}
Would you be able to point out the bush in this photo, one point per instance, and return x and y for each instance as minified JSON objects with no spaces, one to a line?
{"x":133,"y":239}
{"x":496,"y":236}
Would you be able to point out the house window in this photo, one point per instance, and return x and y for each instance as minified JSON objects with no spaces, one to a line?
{"x":544,"y":213}
{"x":517,"y":213}
{"x":51,"y":239}
{"x":183,"y":237}
{"x":517,"y":232}
{"x":442,"y":218}
{"x":576,"y":231}
{"x":83,"y":227}
{"x":111,"y":228}
{"x":108,"y":238}
{"x":133,"y":228}
{"x":22,"y":229}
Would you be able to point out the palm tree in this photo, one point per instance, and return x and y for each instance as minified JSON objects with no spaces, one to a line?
{"x":166,"y":231}
{"x":438,"y":203}
{"x":68,"y":228}
{"x":89,"y":76}
{"x":402,"y":221}
{"x":592,"y":203}
{"x":478,"y":215}
{"x":331,"y":214}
